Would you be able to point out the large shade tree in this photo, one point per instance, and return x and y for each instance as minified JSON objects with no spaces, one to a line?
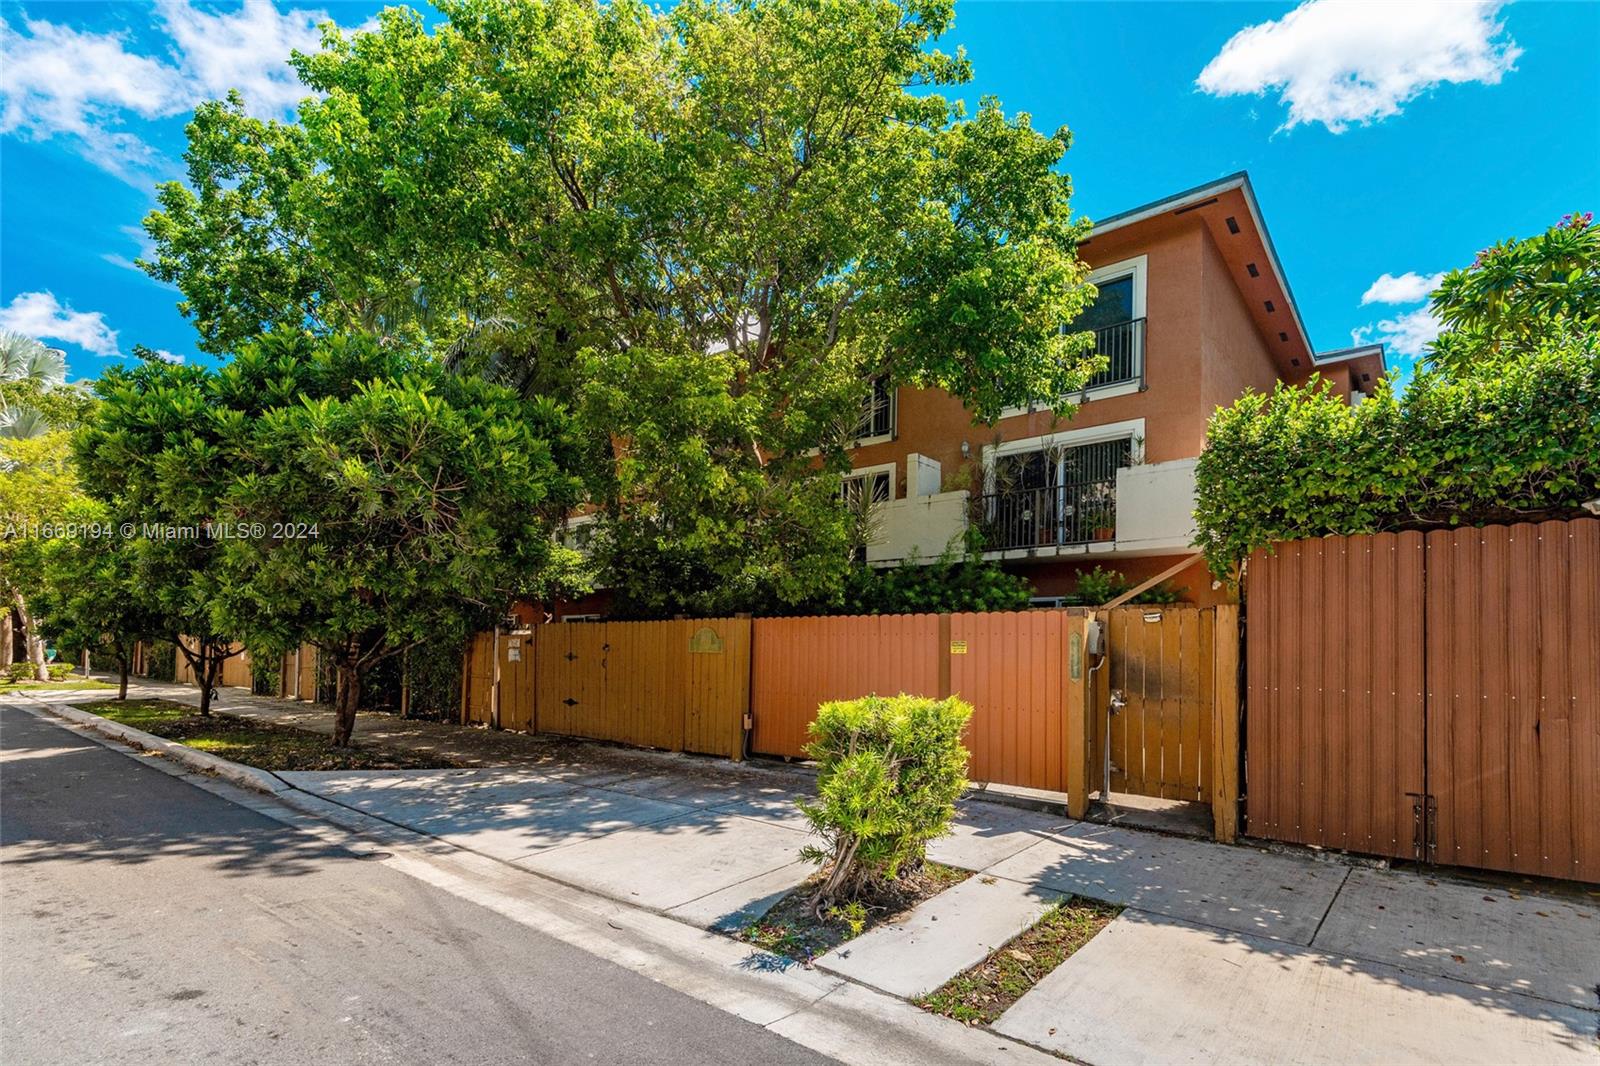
{"x":707,"y":227}
{"x":384,"y":503}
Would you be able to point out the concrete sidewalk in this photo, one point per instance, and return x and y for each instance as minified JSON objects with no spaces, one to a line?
{"x":1224,"y":953}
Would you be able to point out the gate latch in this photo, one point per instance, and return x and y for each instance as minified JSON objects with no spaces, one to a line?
{"x":1118,"y":700}
{"x":1424,"y":826}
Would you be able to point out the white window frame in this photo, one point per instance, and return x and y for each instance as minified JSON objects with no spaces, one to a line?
{"x":1139,"y":267}
{"x":866,"y":472}
{"x":1132,"y":429}
{"x":894,"y":417}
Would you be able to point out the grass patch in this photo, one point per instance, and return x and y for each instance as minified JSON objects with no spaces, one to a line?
{"x":792,"y":930}
{"x":66,"y":685}
{"x":982,"y":994}
{"x":259,"y":744}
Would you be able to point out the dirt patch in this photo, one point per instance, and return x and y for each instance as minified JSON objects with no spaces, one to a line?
{"x":982,"y":994}
{"x":259,"y":744}
{"x":792,"y":929}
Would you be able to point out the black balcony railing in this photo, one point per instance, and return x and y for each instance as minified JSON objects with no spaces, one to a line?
{"x":1123,"y":346}
{"x":1049,"y":517}
{"x":1080,"y":508}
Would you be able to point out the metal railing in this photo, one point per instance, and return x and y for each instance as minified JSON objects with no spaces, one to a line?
{"x":1123,"y":346}
{"x":1076,"y":513}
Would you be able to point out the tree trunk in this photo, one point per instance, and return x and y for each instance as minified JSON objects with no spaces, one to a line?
{"x":206,"y":675}
{"x":122,"y":681}
{"x":7,"y":649}
{"x":35,"y":643}
{"x":347,"y":697}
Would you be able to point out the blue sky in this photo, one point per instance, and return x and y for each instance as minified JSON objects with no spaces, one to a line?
{"x":1386,"y":142}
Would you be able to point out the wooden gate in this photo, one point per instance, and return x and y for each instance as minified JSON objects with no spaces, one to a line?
{"x":679,"y":685}
{"x":477,"y":680}
{"x":1161,"y":673}
{"x":1513,"y":698}
{"x":1433,"y":697}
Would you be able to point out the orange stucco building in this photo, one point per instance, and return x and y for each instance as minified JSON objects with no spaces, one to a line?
{"x":1194,"y":309}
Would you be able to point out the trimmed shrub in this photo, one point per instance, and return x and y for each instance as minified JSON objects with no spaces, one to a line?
{"x":890,"y":769}
{"x":59,"y":671}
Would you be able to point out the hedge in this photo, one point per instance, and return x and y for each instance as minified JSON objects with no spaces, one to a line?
{"x":1512,"y":438}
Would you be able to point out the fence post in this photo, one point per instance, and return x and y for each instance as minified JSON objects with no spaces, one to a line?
{"x":1225,"y":724}
{"x":742,"y":720}
{"x":1079,"y":725}
{"x":466,"y":673}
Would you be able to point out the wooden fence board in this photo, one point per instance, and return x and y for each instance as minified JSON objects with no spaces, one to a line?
{"x":797,"y":664}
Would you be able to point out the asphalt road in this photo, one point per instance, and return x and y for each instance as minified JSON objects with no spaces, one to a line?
{"x":143,"y":920}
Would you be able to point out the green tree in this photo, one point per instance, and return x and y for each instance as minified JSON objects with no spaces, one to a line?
{"x":706,"y":228}
{"x":1519,"y":292}
{"x":391,"y":505}
{"x":38,"y":491}
{"x":157,"y":455}
{"x":89,"y":596}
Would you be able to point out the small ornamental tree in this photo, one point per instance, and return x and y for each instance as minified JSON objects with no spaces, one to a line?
{"x":89,"y":597}
{"x":155,"y":453}
{"x":890,"y":770}
{"x":38,"y":490}
{"x":377,"y":512}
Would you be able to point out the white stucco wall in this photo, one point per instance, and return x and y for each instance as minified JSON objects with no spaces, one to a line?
{"x":1155,"y":506}
{"x":918,"y":525}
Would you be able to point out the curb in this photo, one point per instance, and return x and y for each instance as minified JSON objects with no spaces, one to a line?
{"x":237,"y":773}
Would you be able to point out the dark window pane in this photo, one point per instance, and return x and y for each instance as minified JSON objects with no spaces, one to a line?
{"x":877,"y":410}
{"x":1113,"y":305}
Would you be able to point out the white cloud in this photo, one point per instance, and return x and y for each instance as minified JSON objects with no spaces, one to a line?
{"x":1339,"y":62}
{"x":58,"y":81}
{"x":39,"y":315}
{"x":166,"y":356}
{"x":1406,"y":334}
{"x":246,"y":50}
{"x":1408,"y":288}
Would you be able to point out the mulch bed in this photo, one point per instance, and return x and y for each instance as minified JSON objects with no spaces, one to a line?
{"x":982,"y":994}
{"x":259,"y":744}
{"x":791,"y":929}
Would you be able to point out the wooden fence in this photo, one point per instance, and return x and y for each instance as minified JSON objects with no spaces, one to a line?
{"x":1431,"y":696}
{"x":678,"y":685}
{"x":235,"y":668}
{"x":1039,"y":708}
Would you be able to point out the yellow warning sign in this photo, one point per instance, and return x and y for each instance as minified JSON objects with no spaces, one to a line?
{"x":958,"y":647}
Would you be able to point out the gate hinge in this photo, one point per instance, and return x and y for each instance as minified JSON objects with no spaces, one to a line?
{"x":1424,"y":826}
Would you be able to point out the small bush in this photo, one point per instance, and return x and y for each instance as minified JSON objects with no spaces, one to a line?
{"x":890,"y":771}
{"x":22,"y":671}
{"x":59,"y":671}
{"x":1100,"y":586}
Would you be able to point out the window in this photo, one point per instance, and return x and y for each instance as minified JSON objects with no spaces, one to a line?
{"x":1113,"y":306}
{"x":863,"y":488}
{"x":1048,"y":492}
{"x":877,"y":411}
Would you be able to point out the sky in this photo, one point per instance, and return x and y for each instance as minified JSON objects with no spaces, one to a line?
{"x":1386,"y":141}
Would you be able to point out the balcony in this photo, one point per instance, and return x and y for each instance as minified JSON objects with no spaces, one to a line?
{"x":1145,"y":509}
{"x":1052,"y":517}
{"x":1122,"y":343}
